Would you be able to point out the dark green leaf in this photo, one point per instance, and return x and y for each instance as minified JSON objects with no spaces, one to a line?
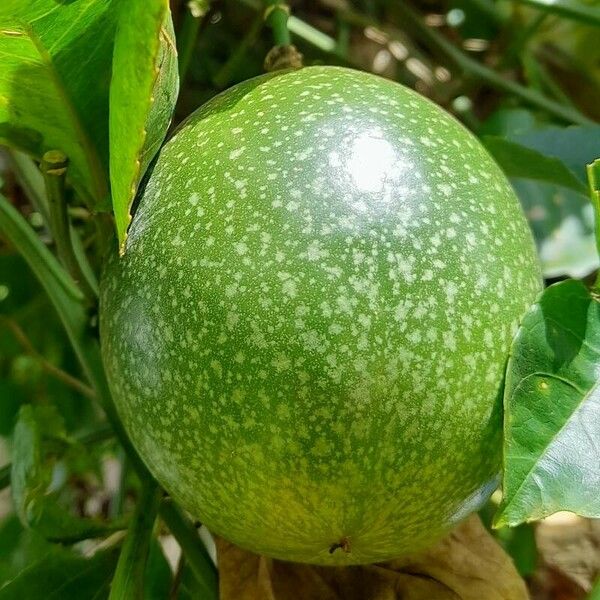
{"x":53,"y":54}
{"x":67,"y":300}
{"x":520,"y":544}
{"x":575,"y":146}
{"x":562,"y":220}
{"x":552,"y":409}
{"x":17,"y":285}
{"x":63,"y":575}
{"x":142,"y":97}
{"x":522,"y":162}
{"x":11,"y":399}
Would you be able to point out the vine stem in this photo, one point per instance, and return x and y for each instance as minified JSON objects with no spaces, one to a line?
{"x":187,"y":38}
{"x":192,"y":547}
{"x":223,"y":77}
{"x":53,"y":370}
{"x":31,"y":181}
{"x":593,"y":175}
{"x":128,"y":581}
{"x":54,"y":169}
{"x":302,"y":29}
{"x":276,"y":16}
{"x":468,"y":65}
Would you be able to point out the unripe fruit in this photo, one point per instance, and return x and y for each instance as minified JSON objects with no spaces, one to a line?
{"x":307,"y":334}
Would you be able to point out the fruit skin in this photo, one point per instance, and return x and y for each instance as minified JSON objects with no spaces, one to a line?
{"x":307,"y":334}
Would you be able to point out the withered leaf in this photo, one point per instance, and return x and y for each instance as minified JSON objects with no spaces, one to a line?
{"x":467,"y":565}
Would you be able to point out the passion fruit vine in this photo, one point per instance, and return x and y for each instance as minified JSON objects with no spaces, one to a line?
{"x":307,"y":333}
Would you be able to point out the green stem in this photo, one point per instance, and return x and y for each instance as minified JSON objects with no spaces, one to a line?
{"x":100,"y":434}
{"x":116,"y":502}
{"x":186,"y":41}
{"x":519,"y":41}
{"x":311,"y":35}
{"x":593,"y":175}
{"x":54,"y":169}
{"x":195,"y":553}
{"x":5,"y":476}
{"x":31,"y":182}
{"x":488,"y":7}
{"x":128,"y":581}
{"x":303,"y":30}
{"x":276,"y":16}
{"x":174,"y":591}
{"x":51,"y":369}
{"x":543,"y":78}
{"x":343,"y":38}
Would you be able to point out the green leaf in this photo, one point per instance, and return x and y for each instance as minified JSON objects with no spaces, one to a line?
{"x":63,"y":575}
{"x":19,"y":547}
{"x":53,"y":55}
{"x":562,"y":220}
{"x":570,"y":9}
{"x":575,"y":146}
{"x":519,"y":161}
{"x":595,"y":593}
{"x":142,"y":97}
{"x":129,"y":579}
{"x":158,"y":577}
{"x":196,"y":555}
{"x":552,"y":409}
{"x":31,"y":477}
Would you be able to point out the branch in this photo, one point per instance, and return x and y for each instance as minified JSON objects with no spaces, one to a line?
{"x":53,"y":370}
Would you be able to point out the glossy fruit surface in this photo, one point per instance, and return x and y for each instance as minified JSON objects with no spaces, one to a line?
{"x":307,"y":333}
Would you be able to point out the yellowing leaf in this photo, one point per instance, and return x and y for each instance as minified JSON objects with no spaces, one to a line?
{"x":467,"y":565}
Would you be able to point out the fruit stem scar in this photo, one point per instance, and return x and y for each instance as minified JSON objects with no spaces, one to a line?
{"x":343,"y":544}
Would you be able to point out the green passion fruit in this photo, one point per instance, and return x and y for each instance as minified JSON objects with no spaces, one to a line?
{"x":307,"y":333}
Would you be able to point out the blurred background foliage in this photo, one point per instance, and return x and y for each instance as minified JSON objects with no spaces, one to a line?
{"x":525,"y":71}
